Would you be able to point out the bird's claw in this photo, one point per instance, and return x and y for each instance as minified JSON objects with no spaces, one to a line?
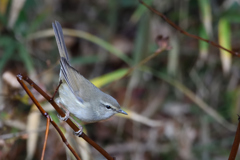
{"x":65,"y":118}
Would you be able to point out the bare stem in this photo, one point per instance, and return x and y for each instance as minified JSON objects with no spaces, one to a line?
{"x":20,"y":79}
{"x":186,"y":33}
{"x":46,"y":137}
{"x":236,"y":142}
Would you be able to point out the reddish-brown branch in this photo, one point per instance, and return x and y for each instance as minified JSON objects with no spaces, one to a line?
{"x":60,"y":82}
{"x":96,"y":146}
{"x":63,"y":138}
{"x":46,"y":137}
{"x":236,"y":142}
{"x":186,"y":33}
{"x":20,"y":78}
{"x":44,"y":113}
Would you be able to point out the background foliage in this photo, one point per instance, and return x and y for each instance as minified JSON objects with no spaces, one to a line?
{"x":183,"y":104}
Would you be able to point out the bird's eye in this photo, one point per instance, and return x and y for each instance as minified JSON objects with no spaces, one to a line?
{"x":108,"y":107}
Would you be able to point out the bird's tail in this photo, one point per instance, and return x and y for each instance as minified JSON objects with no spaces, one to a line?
{"x":60,"y":40}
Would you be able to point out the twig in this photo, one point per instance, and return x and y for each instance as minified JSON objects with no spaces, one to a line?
{"x":186,"y":33}
{"x":236,"y":142}
{"x":197,"y":100}
{"x":46,"y":137}
{"x":61,"y":113}
{"x":60,"y":82}
{"x":141,"y":63}
{"x":44,"y":113}
{"x":144,"y":61}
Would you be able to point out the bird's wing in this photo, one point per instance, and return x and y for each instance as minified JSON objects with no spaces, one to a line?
{"x":72,"y":77}
{"x":60,"y":40}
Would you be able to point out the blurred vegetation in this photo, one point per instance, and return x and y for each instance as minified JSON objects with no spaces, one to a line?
{"x":190,"y":92}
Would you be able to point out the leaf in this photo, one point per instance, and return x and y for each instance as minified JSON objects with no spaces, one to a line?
{"x":3,"y":6}
{"x":16,"y":7}
{"x":37,"y":22}
{"x":5,"y":41}
{"x":225,"y":41}
{"x":206,"y":15}
{"x":98,"y":41}
{"x":108,"y":78}
{"x":87,"y":36}
{"x":203,"y":46}
{"x":139,"y":12}
{"x":33,"y":122}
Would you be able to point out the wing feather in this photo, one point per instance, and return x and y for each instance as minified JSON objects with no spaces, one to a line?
{"x":72,"y":77}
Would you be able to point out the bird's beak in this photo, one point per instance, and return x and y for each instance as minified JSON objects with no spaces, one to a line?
{"x":121,"y":111}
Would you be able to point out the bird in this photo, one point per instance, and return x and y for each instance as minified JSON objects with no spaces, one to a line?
{"x":77,"y":95}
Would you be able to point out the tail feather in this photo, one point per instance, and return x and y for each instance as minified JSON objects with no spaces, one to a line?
{"x":60,"y":40}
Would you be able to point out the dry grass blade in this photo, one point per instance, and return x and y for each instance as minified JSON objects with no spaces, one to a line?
{"x":86,"y":36}
{"x":142,"y":119}
{"x":32,"y":124}
{"x":14,"y":12}
{"x":195,"y":99}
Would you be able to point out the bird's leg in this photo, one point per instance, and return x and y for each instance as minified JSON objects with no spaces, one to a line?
{"x":79,"y":132}
{"x":67,"y":113}
{"x":60,"y":82}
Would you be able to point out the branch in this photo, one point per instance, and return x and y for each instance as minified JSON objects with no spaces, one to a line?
{"x":20,"y":79}
{"x":186,"y":33}
{"x":236,"y":142}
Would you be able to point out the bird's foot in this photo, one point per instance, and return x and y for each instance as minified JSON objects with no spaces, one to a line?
{"x":79,"y":132}
{"x":65,"y":118}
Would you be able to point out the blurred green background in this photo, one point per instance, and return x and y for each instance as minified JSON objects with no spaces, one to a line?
{"x":182,"y":104}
